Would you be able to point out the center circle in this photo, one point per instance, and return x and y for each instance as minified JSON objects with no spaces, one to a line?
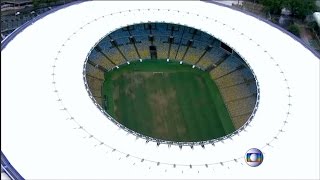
{"x":171,"y":83}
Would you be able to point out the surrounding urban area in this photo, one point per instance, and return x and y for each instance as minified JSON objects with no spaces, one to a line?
{"x":300,"y":17}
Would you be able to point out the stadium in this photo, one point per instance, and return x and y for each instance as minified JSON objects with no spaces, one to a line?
{"x":162,"y":89}
{"x":182,"y":45}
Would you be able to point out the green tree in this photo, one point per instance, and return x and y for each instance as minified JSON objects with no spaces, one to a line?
{"x":36,"y":3}
{"x":300,"y":8}
{"x":294,"y":29}
{"x":314,"y":25}
{"x":272,"y":6}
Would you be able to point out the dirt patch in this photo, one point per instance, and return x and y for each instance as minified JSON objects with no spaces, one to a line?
{"x":116,"y":93}
{"x":181,"y":130}
{"x":146,"y":75}
{"x":159,"y":100}
{"x":201,"y":82}
{"x":135,"y":79}
{"x":166,"y":116}
{"x":161,"y":103}
{"x":115,"y":98}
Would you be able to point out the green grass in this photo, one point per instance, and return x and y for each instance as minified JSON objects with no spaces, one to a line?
{"x":167,"y":101}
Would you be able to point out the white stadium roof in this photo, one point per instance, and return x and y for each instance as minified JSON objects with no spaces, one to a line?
{"x":50,"y":128}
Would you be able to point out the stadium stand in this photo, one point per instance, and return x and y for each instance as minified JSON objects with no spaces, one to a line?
{"x":234,"y":79}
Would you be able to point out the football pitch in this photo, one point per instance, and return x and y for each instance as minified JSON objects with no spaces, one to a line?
{"x":166,"y":100}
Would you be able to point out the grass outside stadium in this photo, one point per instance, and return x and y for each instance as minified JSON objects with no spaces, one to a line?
{"x":167,"y":101}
